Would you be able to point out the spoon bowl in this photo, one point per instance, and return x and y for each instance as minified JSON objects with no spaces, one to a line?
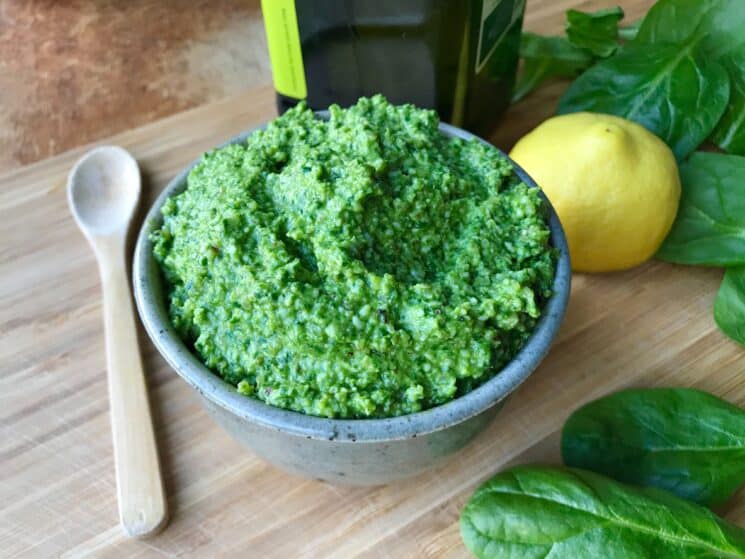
{"x":104,"y":189}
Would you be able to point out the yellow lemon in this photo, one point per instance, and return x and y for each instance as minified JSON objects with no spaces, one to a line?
{"x":614,"y":184}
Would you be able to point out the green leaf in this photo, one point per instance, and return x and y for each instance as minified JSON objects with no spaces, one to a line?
{"x":709,"y":229}
{"x":564,"y":513}
{"x":730,"y":132}
{"x":729,"y":307}
{"x":718,"y":24}
{"x":547,"y":57}
{"x":672,"y":90}
{"x":594,"y":31}
{"x":630,"y":31}
{"x":683,"y":440}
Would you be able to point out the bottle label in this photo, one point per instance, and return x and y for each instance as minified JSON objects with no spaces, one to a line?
{"x":283,"y":39}
{"x":497,"y":16}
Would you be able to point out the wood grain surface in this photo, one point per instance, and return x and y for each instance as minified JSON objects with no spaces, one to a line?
{"x":651,"y":326}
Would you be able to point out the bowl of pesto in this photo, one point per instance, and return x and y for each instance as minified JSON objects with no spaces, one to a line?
{"x":354,"y":293}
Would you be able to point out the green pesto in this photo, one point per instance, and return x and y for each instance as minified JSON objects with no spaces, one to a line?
{"x":364,"y":266}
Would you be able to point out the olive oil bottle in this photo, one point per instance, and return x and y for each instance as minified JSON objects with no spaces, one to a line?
{"x":456,"y":56}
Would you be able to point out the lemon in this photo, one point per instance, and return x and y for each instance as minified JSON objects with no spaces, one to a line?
{"x":614,"y":185}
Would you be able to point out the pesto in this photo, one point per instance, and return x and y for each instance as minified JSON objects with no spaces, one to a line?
{"x":364,"y":266}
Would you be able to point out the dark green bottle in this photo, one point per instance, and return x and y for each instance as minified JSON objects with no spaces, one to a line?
{"x":456,"y":56}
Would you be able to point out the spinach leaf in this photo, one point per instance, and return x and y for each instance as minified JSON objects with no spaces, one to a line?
{"x":710,"y":226}
{"x":630,"y":31}
{"x":718,"y":24}
{"x":683,"y":440}
{"x":547,"y":57}
{"x":595,"y":31}
{"x":729,"y":307}
{"x":672,"y":90}
{"x":730,"y":132}
{"x":536,"y":512}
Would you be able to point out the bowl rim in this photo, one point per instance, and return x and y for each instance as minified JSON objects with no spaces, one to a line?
{"x":153,"y":313}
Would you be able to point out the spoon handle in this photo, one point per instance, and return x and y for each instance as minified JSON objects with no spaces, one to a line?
{"x":142,"y":504}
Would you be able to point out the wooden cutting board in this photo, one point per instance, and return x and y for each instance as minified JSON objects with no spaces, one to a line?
{"x":650,"y":326}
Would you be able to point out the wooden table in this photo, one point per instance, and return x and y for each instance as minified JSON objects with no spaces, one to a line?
{"x":648,"y":326}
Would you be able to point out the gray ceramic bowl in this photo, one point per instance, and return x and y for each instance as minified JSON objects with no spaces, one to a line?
{"x":348,"y":452}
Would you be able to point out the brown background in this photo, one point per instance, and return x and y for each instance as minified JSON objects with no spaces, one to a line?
{"x":73,"y":73}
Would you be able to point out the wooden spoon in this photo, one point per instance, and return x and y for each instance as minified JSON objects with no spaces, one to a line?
{"x":103,"y":190}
